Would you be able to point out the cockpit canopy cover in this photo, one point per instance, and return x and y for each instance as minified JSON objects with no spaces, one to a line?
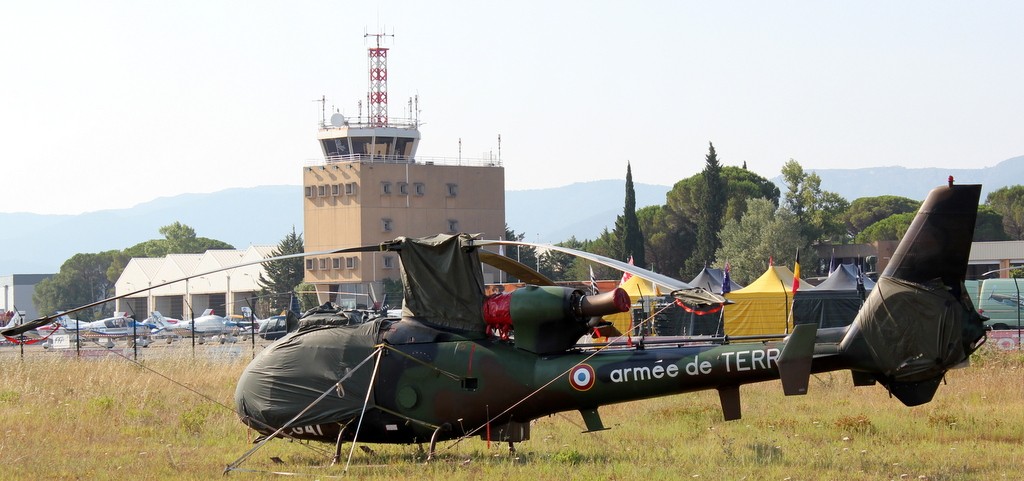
{"x":443,"y":280}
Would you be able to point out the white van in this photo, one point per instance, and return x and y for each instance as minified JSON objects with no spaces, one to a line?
{"x":1000,"y":301}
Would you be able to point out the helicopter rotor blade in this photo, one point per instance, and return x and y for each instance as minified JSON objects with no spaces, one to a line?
{"x":45,"y":320}
{"x":679,"y":289}
{"x":521,"y":271}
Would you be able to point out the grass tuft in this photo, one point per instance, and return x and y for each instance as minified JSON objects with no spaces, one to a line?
{"x":859,"y":424}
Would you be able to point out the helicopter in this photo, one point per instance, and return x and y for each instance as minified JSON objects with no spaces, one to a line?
{"x":456,"y":363}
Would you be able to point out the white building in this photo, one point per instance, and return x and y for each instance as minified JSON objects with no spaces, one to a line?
{"x":225,"y":291}
{"x":17,"y":291}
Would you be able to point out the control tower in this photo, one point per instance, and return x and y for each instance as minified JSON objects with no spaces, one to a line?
{"x":372,"y":187}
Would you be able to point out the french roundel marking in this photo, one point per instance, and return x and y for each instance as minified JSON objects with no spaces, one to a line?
{"x":582,"y":377}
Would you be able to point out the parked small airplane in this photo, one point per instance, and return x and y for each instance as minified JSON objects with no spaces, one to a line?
{"x":118,"y":326}
{"x":206,"y":326}
{"x":160,"y":330}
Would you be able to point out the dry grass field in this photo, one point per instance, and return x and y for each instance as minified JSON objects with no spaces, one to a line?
{"x":69,"y":418}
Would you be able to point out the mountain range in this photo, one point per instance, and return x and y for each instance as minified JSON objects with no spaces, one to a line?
{"x":36,"y":243}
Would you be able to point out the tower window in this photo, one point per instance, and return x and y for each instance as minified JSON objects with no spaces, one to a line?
{"x":453,"y":190}
{"x":403,"y":188}
{"x":336,"y":263}
{"x":309,"y":191}
{"x":321,"y":190}
{"x":453,"y":225}
{"x":350,"y":188}
{"x":310,"y":265}
{"x":350,"y":262}
{"x":420,"y":188}
{"x":385,"y":188}
{"x":335,"y":190}
{"x":323,"y":263}
{"x":385,"y":225}
{"x":389,"y":262}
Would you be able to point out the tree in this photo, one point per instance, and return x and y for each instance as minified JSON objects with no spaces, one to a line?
{"x":82,"y":279}
{"x":818,"y":212}
{"x":1009,"y":203}
{"x":742,"y":185}
{"x":178,"y":239}
{"x":87,"y":278}
{"x":556,"y":265}
{"x":987,"y":227}
{"x":764,"y":232}
{"x":889,"y":228}
{"x":681,"y":223}
{"x":604,"y":245}
{"x":283,"y":276}
{"x":868,"y":210}
{"x":524,"y":254}
{"x":990,"y":226}
{"x":630,"y":238}
{"x":659,"y":247}
{"x":681,"y":212}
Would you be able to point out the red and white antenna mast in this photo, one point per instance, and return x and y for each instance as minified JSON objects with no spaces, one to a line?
{"x":377,"y":98}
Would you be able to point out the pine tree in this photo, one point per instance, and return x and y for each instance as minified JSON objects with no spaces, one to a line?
{"x":283,"y":275}
{"x":710,"y":213}
{"x":627,"y":226}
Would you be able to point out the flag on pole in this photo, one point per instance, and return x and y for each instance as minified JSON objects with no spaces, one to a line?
{"x":593,"y":282}
{"x":726,"y":282}
{"x":796,"y":272}
{"x":626,"y":275}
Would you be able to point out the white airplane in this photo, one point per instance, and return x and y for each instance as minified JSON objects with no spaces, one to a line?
{"x":118,"y":326}
{"x":163,"y":327}
{"x":208,"y":325}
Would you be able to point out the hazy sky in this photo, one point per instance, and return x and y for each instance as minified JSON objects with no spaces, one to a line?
{"x":109,"y":104}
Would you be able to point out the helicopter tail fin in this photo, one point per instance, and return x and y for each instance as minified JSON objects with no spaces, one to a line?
{"x":795,"y":360}
{"x":918,"y":321}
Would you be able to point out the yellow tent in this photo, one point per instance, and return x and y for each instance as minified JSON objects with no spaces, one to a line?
{"x":639,"y":290}
{"x":763,"y":306}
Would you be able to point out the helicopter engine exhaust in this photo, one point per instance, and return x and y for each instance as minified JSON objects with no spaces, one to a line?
{"x":549,"y":319}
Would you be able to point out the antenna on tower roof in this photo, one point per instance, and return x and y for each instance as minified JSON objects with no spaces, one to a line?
{"x":377,"y":98}
{"x":323,"y":109}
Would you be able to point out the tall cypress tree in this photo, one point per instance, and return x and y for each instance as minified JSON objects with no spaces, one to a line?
{"x":710,"y":213}
{"x":627,"y":227}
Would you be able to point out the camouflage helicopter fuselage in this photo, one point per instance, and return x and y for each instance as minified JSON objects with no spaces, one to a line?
{"x":457,"y":364}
